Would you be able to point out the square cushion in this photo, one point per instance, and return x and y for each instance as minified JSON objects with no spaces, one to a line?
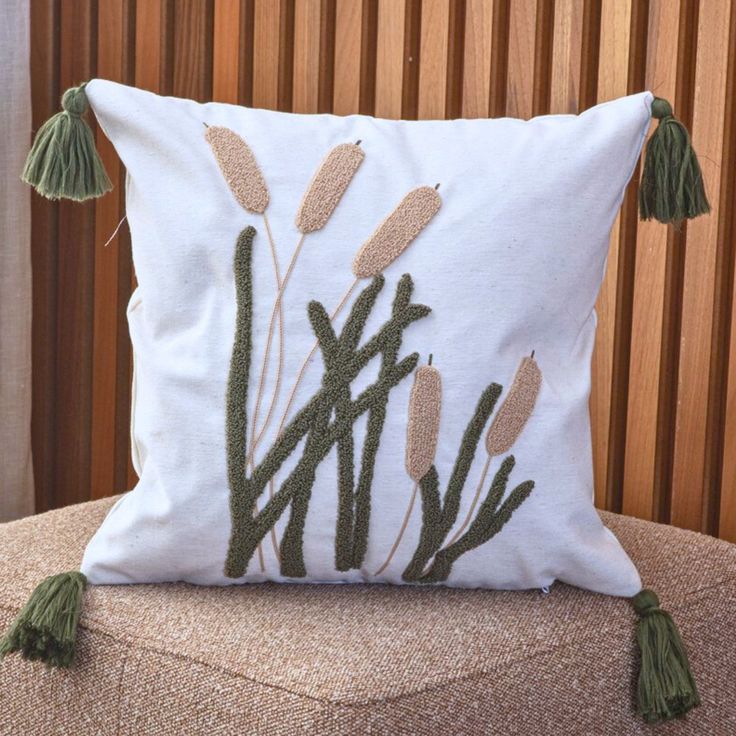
{"x":362,"y":347}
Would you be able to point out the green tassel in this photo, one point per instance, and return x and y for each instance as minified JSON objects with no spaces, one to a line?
{"x":63,"y":161}
{"x":666,"y":685}
{"x":46,"y":628}
{"x":671,"y":188}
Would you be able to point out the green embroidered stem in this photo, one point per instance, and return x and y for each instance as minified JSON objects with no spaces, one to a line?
{"x":46,"y":628}
{"x":374,"y":431}
{"x":488,"y":522}
{"x":438,"y":518}
{"x":666,"y":685}
{"x":63,"y":161}
{"x":255,"y":528}
{"x":671,"y":187}
{"x":332,"y":354}
{"x":292,"y":547}
{"x":237,"y":402}
{"x":248,"y":530}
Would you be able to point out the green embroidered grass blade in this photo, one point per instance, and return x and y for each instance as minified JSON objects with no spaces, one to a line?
{"x":46,"y":628}
{"x":63,"y":161}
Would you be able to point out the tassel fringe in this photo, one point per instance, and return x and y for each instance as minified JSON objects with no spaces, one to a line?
{"x":666,"y":685}
{"x":671,"y":188}
{"x":46,"y":629}
{"x":63,"y":161}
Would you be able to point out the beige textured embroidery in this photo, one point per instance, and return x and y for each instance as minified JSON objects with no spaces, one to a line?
{"x":424,"y":422}
{"x":328,"y":186}
{"x":422,"y":433}
{"x":239,"y":167}
{"x":397,"y":231}
{"x":516,"y":408}
{"x":507,"y":425}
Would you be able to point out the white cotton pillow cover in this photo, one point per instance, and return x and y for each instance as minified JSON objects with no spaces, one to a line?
{"x":511,"y":263}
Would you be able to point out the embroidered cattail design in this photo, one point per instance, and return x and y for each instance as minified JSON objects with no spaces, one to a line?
{"x":239,"y":167}
{"x":326,"y":189}
{"x":328,"y":186}
{"x":390,"y":239}
{"x":240,"y":170}
{"x":507,"y":425}
{"x":422,"y":433}
{"x":394,"y":235}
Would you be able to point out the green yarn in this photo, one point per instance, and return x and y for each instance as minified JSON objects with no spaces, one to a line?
{"x":671,"y":188}
{"x":374,"y":431}
{"x":666,"y":686}
{"x":46,"y":628}
{"x":236,"y":409}
{"x":63,"y":162}
{"x":344,"y":360}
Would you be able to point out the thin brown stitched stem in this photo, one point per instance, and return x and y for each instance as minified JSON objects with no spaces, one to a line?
{"x":277,"y":312}
{"x":278,"y":303}
{"x":404,"y":524}
{"x":467,"y":519}
{"x":303,"y":368}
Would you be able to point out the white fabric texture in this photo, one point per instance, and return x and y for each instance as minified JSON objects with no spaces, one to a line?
{"x":16,"y":470}
{"x":512,"y":263}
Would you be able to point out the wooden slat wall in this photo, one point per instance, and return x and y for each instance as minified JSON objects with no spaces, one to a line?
{"x":664,"y":370}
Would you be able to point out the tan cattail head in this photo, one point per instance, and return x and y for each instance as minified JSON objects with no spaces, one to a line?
{"x":516,"y":408}
{"x":394,"y":235}
{"x":423,"y":427}
{"x":327,"y":186}
{"x":239,"y":167}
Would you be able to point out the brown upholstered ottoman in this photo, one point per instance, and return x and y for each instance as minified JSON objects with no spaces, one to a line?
{"x":178,"y":659}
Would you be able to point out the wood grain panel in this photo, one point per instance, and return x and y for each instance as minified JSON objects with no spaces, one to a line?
{"x":348,"y":35}
{"x":112,"y":25}
{"x":390,"y":58}
{"x":522,"y":43}
{"x":45,"y":95}
{"x":477,"y":63}
{"x":663,"y":401}
{"x":700,"y":258}
{"x":74,"y":285}
{"x":612,"y":83}
{"x":226,"y":51}
{"x":433,"y":50}
{"x":566,"y":56}
{"x":649,"y":285}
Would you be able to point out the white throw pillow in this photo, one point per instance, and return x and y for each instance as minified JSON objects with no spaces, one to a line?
{"x":479,"y":465}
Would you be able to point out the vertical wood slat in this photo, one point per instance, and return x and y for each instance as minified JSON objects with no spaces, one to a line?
{"x":566,"y":56}
{"x":390,"y":58}
{"x":112,"y":26}
{"x":700,"y":258}
{"x":74,"y":285}
{"x":226,"y":51}
{"x":663,"y":403}
{"x":649,"y":285}
{"x":612,"y":83}
{"x":726,"y":392}
{"x":45,"y":94}
{"x":433,"y":48}
{"x":348,"y":36}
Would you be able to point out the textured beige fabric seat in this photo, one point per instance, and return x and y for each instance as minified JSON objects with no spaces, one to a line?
{"x":269,"y":659}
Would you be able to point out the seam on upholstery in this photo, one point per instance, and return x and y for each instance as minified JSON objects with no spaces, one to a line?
{"x":139,"y":644}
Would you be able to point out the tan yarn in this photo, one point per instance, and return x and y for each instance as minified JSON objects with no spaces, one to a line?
{"x":424,"y":421}
{"x":396,"y":232}
{"x":239,"y":167}
{"x":328,"y":185}
{"x":516,"y":409}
